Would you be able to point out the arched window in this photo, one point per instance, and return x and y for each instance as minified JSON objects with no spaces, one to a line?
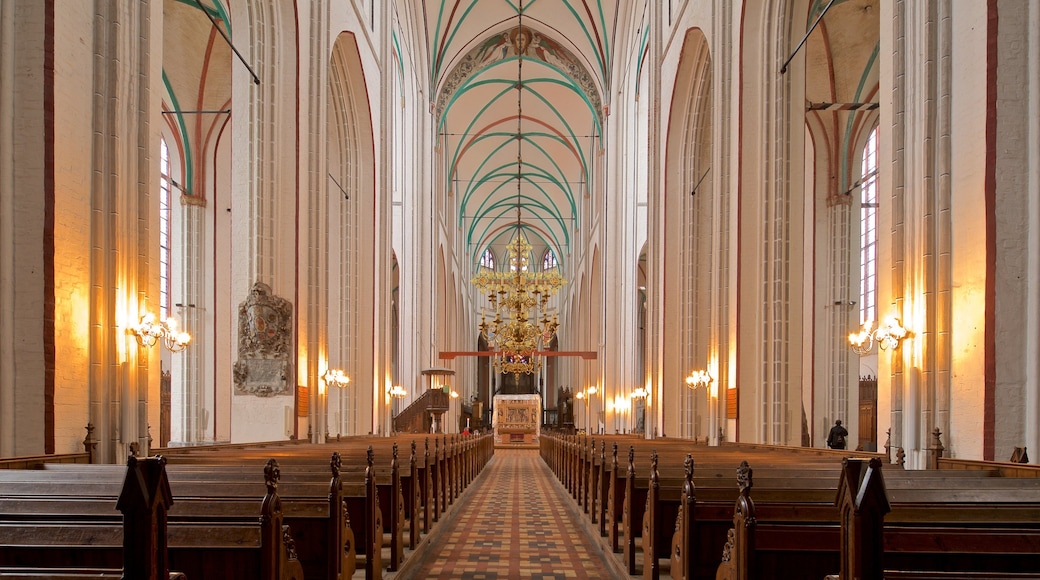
{"x":487,"y":259}
{"x":868,"y":232}
{"x":549,"y":260}
{"x":164,"y":230}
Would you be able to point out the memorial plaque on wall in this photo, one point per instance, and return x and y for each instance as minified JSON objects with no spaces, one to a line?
{"x":263,"y":367}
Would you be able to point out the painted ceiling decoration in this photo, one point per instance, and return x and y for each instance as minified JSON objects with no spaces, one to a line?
{"x":841,"y":65}
{"x":502,"y":49}
{"x":476,"y":52}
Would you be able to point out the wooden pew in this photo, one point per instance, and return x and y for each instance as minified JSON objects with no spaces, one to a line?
{"x":980,"y":533}
{"x":144,"y":499}
{"x":69,"y":574}
{"x":428,"y":478}
{"x":314,"y":504}
{"x":318,"y":510}
{"x":371,"y":496}
{"x":991,"y":534}
{"x":68,"y":528}
{"x":652,"y":508}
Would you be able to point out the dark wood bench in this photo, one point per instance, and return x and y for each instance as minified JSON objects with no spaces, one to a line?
{"x":314,"y":505}
{"x":63,"y":528}
{"x":408,"y":497}
{"x":339,"y":520}
{"x":995,"y":531}
{"x":913,"y":532}
{"x":369,"y":513}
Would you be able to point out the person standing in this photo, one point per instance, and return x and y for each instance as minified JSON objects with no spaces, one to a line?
{"x":836,"y":438}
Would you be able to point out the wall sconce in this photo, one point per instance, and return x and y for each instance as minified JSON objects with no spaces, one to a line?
{"x":149,"y":331}
{"x":640,"y":393}
{"x":336,"y":378}
{"x":699,"y":379}
{"x":887,"y":335}
{"x":398,"y":392}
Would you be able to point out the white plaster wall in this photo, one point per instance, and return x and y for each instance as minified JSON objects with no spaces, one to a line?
{"x":72,"y":224}
{"x":263,"y":419}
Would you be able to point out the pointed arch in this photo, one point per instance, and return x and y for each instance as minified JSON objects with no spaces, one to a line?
{"x":352,"y":257}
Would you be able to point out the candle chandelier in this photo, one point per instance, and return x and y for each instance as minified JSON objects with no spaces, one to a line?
{"x":523,"y":323}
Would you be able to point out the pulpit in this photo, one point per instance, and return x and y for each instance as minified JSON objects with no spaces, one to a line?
{"x":516,"y":419}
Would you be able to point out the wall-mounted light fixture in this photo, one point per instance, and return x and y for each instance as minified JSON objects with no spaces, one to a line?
{"x":336,"y":378}
{"x":887,"y":335}
{"x":698,"y":379}
{"x":149,"y":331}
{"x":398,"y":392}
{"x":640,"y":393}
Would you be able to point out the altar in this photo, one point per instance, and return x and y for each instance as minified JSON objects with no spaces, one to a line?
{"x":517,"y":419}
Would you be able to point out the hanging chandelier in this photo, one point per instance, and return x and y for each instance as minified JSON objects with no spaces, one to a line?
{"x":523,"y":323}
{"x":519,"y":297}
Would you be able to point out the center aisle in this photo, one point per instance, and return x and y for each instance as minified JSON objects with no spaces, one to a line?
{"x":515,"y":523}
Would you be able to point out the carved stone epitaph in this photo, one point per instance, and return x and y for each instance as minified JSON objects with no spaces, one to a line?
{"x":263,"y":367}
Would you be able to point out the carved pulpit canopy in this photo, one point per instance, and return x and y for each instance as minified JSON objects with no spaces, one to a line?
{"x":264,"y":340}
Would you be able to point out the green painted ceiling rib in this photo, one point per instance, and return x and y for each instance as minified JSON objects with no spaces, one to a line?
{"x":560,"y":181}
{"x":400,"y":64}
{"x":509,"y":179}
{"x":454,"y":31}
{"x":474,"y":81}
{"x":434,"y":51}
{"x":487,"y":203}
{"x":528,"y":230}
{"x":644,"y":45}
{"x":852,"y":116}
{"x":509,"y":231}
{"x":188,"y":168}
{"x":570,"y":131}
{"x":574,"y":139}
{"x":507,"y":202}
{"x":573,"y":145}
{"x":606,"y":39}
{"x":223,"y":15}
{"x":507,"y":139}
{"x":218,"y":12}
{"x":577,"y":90}
{"x":463,"y":145}
{"x":516,"y":5}
{"x":592,"y":43}
{"x":563,"y":184}
{"x":505,"y":207}
{"x":817,"y":7}
{"x":509,"y":86}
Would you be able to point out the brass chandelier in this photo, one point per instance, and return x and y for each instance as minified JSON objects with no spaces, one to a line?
{"x":519,"y":297}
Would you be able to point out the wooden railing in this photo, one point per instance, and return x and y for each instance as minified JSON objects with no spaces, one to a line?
{"x":416,"y":417}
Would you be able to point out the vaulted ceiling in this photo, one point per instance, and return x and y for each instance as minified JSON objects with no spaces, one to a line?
{"x":519,"y":158}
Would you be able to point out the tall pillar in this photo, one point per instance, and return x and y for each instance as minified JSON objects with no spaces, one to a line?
{"x":123,"y":209}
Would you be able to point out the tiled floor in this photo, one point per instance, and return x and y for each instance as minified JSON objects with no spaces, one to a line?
{"x":516,"y":524}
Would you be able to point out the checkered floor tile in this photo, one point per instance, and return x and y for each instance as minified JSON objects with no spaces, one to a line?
{"x":515,"y":525}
